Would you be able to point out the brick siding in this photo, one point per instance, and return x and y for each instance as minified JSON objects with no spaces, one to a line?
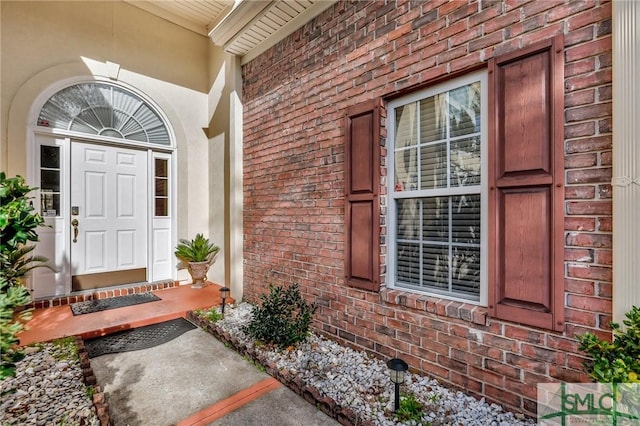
{"x":295,"y":96}
{"x":97,"y":294}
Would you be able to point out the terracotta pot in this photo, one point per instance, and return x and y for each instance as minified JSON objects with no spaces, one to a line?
{"x":198,"y":271}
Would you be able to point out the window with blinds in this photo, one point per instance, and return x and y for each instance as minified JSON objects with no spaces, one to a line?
{"x":438,"y":144}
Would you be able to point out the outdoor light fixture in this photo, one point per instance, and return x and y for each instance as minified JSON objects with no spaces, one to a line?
{"x":397,"y":367}
{"x":224,"y":293}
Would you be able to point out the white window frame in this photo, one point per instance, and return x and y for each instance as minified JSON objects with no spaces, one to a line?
{"x":54,"y":236}
{"x":161,"y":260}
{"x":393,"y":195}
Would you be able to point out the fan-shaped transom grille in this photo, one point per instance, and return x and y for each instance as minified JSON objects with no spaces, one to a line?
{"x":106,"y":110}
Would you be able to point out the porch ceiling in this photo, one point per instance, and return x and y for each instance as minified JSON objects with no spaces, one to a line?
{"x":244,"y":28}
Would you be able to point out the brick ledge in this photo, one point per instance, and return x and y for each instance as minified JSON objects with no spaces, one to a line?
{"x":103,"y":293}
{"x":434,"y":305}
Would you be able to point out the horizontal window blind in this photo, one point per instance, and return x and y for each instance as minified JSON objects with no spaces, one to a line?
{"x":437,"y":172}
{"x":438,"y":244}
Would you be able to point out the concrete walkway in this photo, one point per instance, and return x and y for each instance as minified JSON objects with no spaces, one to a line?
{"x":195,"y":380}
{"x":191,"y":380}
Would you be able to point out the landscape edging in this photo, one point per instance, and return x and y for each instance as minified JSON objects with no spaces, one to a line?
{"x":99,"y":397}
{"x":344,"y":415}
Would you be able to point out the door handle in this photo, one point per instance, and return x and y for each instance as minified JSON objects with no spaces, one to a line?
{"x":75,"y":224}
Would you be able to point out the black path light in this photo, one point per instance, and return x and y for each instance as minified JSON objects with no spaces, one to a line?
{"x":224,"y":293}
{"x":397,"y":367}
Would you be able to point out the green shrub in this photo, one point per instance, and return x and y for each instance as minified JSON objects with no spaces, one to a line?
{"x":17,"y":263}
{"x":283,"y":319}
{"x":617,"y":361}
{"x":11,"y":323}
{"x":18,"y":223}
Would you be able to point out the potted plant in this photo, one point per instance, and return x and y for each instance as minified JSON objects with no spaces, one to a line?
{"x":197,"y":255}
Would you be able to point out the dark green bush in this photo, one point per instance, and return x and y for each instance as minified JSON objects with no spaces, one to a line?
{"x":617,"y":361}
{"x":11,"y":323}
{"x":283,"y":319}
{"x":18,"y":223}
{"x":18,"y":219}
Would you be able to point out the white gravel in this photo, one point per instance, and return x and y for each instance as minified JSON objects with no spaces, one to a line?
{"x":355,"y":379}
{"x":48,"y":390}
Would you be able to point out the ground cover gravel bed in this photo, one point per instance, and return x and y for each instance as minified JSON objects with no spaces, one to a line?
{"x":48,"y":389}
{"x":352,"y":386}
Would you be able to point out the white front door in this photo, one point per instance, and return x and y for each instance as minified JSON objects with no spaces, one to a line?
{"x":108,"y":215}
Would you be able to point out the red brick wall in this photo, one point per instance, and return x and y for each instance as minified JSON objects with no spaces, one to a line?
{"x":294,"y":98}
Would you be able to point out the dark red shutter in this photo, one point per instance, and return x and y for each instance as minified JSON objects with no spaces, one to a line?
{"x":362,"y":191}
{"x":526,"y":186}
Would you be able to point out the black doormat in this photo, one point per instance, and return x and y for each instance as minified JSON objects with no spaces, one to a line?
{"x":91,"y":306}
{"x":137,"y":338}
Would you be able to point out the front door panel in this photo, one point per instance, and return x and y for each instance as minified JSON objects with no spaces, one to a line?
{"x":109,"y":195}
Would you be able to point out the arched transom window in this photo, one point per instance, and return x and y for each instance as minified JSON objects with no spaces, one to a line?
{"x":105,"y":110}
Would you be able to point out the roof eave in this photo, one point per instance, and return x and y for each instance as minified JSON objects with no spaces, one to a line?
{"x":229,"y":32}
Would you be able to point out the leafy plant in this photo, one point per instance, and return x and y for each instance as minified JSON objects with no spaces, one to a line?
{"x":17,"y":263}
{"x":283,"y":319}
{"x":212,"y":314}
{"x":410,"y":409}
{"x":11,"y":323}
{"x":617,"y":361}
{"x":198,"y":249}
{"x":18,"y":223}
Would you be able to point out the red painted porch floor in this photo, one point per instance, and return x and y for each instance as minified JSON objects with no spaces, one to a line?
{"x":58,"y":321}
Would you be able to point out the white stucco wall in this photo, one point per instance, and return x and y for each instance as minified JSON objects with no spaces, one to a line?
{"x":45,"y":43}
{"x":225,"y":136}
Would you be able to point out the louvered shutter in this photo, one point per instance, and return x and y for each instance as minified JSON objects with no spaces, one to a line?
{"x":526,"y":185}
{"x":362,"y":190}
